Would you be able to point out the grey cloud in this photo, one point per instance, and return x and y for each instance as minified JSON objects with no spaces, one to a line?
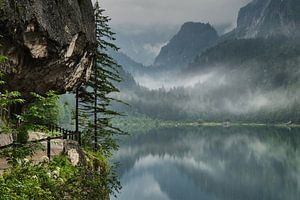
{"x":172,"y":12}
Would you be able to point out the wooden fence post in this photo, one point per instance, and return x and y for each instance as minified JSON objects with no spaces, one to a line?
{"x":49,"y":148}
{"x":64,"y":134}
{"x":78,"y":134}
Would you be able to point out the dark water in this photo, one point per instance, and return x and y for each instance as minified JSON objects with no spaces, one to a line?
{"x":211,"y":164}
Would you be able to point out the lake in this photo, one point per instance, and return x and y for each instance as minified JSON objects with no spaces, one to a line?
{"x":211,"y":163}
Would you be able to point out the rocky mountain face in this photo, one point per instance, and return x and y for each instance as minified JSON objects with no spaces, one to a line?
{"x":192,"y":39}
{"x":269,"y":18}
{"x":49,"y":43}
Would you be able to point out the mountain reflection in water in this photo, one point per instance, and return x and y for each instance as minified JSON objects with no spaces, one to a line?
{"x":211,"y":163}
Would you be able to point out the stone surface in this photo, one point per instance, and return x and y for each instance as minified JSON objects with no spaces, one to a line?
{"x":49,"y":43}
{"x":73,"y":156}
{"x":75,"y":153}
{"x":6,"y":139}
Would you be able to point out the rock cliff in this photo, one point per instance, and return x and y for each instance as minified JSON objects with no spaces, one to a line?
{"x":269,"y":18}
{"x":49,"y":43}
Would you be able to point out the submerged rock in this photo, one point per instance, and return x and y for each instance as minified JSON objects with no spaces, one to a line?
{"x":49,"y":44}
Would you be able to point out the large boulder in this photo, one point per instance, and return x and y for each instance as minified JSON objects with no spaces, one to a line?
{"x":50,"y":43}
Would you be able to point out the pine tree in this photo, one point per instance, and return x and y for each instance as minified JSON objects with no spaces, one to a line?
{"x":94,"y":96}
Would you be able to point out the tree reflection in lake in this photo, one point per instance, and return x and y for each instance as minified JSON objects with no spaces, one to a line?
{"x":211,"y":163}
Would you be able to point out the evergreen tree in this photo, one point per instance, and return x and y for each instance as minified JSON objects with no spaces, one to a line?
{"x":94,"y":96}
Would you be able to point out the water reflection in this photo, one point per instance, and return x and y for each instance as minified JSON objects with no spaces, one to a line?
{"x":211,"y":163}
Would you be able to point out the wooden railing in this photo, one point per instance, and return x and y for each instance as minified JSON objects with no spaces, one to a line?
{"x":63,"y":134}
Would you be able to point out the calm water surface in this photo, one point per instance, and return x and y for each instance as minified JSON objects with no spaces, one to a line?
{"x":211,"y":164}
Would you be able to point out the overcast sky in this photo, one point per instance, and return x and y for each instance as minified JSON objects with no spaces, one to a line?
{"x":172,"y":12}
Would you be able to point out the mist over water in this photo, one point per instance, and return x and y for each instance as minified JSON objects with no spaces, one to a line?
{"x":169,"y":80}
{"x":214,"y":91}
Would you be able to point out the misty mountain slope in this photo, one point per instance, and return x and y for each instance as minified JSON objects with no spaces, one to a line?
{"x":264,"y":41}
{"x":127,"y":63}
{"x":272,"y":62}
{"x":143,"y":43}
{"x":237,"y":51}
{"x":233,"y":96}
{"x":192,"y":39}
{"x":269,"y":18}
{"x":250,"y":74}
{"x":127,"y":80}
{"x":226,"y":94}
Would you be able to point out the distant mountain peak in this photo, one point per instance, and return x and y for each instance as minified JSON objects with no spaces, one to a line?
{"x":192,"y":39}
{"x":200,"y":25}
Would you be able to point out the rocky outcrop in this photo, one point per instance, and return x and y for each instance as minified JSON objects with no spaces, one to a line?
{"x":49,"y":43}
{"x":6,"y":139}
{"x":269,"y":18}
{"x":191,"y":40}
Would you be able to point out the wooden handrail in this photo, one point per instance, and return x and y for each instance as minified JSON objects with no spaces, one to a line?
{"x":65,"y":134}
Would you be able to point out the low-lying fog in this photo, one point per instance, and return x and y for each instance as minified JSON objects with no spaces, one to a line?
{"x":215,"y":91}
{"x":172,"y":80}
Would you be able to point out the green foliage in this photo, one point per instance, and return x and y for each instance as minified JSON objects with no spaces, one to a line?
{"x":8,"y":98}
{"x":15,"y":155}
{"x":107,"y":172}
{"x":44,"y":110}
{"x":3,"y":58}
{"x":27,"y":181}
{"x":56,"y":179}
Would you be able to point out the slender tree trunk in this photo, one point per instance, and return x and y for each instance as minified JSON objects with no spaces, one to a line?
{"x":77,"y":118}
{"x":95,"y":109}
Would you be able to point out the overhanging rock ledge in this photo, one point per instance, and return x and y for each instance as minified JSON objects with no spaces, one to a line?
{"x":50,"y":44}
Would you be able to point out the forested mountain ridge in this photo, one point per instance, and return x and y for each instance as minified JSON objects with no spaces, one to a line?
{"x":271,"y":53}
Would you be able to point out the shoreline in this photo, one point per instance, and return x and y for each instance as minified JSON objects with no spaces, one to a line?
{"x":134,"y":124}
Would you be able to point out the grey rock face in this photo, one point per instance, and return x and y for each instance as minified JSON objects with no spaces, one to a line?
{"x":269,"y":18}
{"x":49,"y":43}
